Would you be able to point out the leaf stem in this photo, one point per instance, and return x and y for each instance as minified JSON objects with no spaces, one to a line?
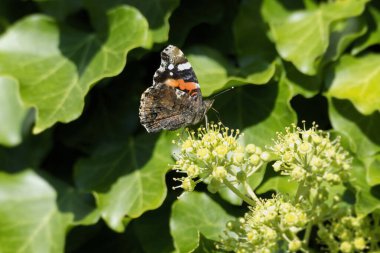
{"x":238,"y":193}
{"x":251,"y":192}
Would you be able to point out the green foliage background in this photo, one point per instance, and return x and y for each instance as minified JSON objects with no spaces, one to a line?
{"x":75,"y":164}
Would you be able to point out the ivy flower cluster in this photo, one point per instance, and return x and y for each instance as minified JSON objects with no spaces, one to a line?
{"x":310,"y":157}
{"x":213,"y":155}
{"x":349,"y":234}
{"x":265,"y":226}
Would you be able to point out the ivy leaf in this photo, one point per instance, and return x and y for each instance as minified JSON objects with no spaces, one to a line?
{"x":189,"y":15}
{"x":367,"y":197}
{"x":147,"y":234}
{"x":343,"y":33}
{"x":356,"y":79}
{"x":30,"y":153}
{"x":56,"y":68}
{"x":214,"y":72}
{"x":302,"y":37}
{"x":128,"y":178}
{"x":30,"y":218}
{"x":362,"y":130}
{"x":194,"y":214}
{"x":256,"y":53}
{"x":260,"y":111}
{"x":156,"y":12}
{"x":373,"y":171}
{"x":373,"y":37}
{"x":12,"y":112}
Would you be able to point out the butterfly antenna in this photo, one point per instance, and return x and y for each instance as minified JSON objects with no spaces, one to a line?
{"x":223,"y":91}
{"x":217,"y":115}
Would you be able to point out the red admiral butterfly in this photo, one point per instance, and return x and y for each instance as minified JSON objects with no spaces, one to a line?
{"x":175,"y":99}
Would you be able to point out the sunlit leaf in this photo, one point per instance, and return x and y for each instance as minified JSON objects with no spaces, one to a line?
{"x":56,"y":67}
{"x":30,"y":219}
{"x":362,"y":130}
{"x":128,"y":178}
{"x":302,"y":36}
{"x":357,"y":79}
{"x":194,"y":214}
{"x":12,"y":112}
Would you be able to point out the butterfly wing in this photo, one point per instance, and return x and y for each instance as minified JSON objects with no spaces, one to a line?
{"x":165,"y":107}
{"x":174,"y":100}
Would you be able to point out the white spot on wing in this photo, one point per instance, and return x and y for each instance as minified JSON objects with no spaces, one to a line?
{"x":184,"y":66}
{"x":171,"y":73}
{"x":171,"y":66}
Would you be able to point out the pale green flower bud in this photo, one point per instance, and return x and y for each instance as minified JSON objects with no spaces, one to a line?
{"x":219,"y":173}
{"x":192,"y":170}
{"x":254,"y":160}
{"x":345,"y":247}
{"x":295,"y":245}
{"x":359,"y":243}
{"x":277,"y":166}
{"x":203,"y":154}
{"x":187,"y":146}
{"x":258,"y":150}
{"x":238,"y":158}
{"x":270,"y":234}
{"x":265,"y":156}
{"x":298,"y":173}
{"x":305,"y":148}
{"x":188,"y":184}
{"x":250,"y":148}
{"x":290,"y":219}
{"x":316,"y":138}
{"x":221,"y":151}
{"x":288,"y":157}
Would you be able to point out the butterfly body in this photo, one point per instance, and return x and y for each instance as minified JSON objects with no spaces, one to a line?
{"x":175,"y":99}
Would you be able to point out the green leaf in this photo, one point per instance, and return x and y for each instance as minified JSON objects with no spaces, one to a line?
{"x":30,"y":220}
{"x":367,"y":198}
{"x":192,"y":214}
{"x":188,"y":15}
{"x":256,"y":54}
{"x":373,"y":171}
{"x":268,"y":109}
{"x":156,"y":12}
{"x":214,"y":72}
{"x":307,"y":86}
{"x":59,"y":9}
{"x":29,"y":154}
{"x":357,"y":79}
{"x":362,"y":130}
{"x":278,"y":184}
{"x":258,"y":111}
{"x":147,"y":233}
{"x":56,"y":67}
{"x":373,"y":37}
{"x":128,"y":178}
{"x":12,"y":112}
{"x":343,"y":33}
{"x":302,"y":37}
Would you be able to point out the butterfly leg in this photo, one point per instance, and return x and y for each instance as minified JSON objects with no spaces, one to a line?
{"x":206,"y":122}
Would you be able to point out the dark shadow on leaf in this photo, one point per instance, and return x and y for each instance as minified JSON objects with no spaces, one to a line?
{"x":369,"y":125}
{"x":114,"y":160}
{"x":375,"y":191}
{"x":81,"y":46}
{"x":311,"y":84}
{"x":246,"y":106}
{"x":311,"y":110}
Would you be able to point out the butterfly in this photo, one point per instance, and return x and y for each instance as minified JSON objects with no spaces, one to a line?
{"x":175,"y":99}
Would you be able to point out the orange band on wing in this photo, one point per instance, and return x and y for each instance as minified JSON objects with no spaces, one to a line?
{"x":181,"y":84}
